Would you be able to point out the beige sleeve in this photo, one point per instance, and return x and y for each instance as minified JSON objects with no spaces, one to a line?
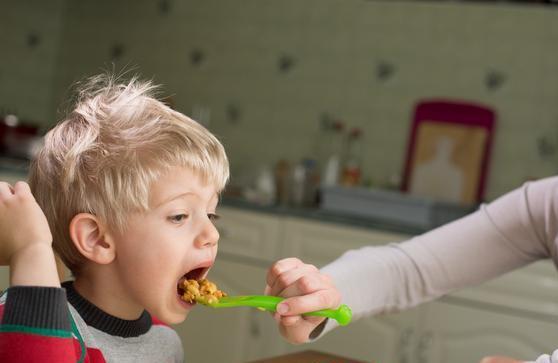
{"x":512,"y":231}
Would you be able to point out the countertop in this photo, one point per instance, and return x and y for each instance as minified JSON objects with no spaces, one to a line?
{"x":321,"y":215}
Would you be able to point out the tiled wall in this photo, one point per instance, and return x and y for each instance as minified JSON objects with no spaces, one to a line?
{"x":268,"y":70}
{"x":29,"y":47}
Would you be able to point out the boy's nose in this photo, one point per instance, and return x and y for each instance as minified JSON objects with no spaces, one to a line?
{"x":208,"y":236}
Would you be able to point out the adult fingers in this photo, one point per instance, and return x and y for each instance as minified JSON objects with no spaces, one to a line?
{"x":321,"y":299}
{"x":288,"y":321}
{"x":307,"y":284}
{"x":22,"y":188}
{"x":280,"y":267}
{"x":288,"y":278}
{"x":296,"y":329}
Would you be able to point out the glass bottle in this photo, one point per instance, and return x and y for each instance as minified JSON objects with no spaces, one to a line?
{"x":352,"y":166}
{"x":331,"y":168}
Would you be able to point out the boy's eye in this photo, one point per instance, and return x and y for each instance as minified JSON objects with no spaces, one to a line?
{"x":178,"y":218}
{"x":213,"y":217}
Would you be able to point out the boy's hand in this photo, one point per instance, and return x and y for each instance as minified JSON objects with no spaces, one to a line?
{"x":22,"y":222}
{"x":306,"y":289}
{"x":25,"y":238}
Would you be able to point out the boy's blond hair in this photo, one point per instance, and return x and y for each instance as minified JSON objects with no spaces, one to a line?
{"x":104,"y":156}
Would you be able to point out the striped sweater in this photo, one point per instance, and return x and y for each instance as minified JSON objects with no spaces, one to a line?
{"x":48,"y":324}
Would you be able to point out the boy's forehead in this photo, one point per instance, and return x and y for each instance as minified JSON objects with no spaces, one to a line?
{"x":181,"y":183}
{"x":210,"y":198}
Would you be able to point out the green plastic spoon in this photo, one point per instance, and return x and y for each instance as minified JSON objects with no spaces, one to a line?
{"x":342,"y":314}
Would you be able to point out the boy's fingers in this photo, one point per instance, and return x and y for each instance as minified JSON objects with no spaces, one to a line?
{"x":22,"y":187}
{"x":280,"y":267}
{"x":321,"y":299}
{"x":286,"y":279}
{"x":5,"y":190}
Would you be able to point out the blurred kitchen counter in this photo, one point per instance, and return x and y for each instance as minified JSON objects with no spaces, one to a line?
{"x":13,"y":169}
{"x":321,"y":215}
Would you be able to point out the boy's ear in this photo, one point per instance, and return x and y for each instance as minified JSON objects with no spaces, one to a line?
{"x":92,"y":239}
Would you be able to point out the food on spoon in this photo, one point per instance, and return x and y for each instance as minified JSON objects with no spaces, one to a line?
{"x":202,"y":291}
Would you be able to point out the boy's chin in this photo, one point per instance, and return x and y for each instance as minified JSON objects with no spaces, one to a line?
{"x":172,"y":319}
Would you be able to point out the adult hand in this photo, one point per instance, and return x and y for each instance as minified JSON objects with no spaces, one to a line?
{"x":305,"y":289}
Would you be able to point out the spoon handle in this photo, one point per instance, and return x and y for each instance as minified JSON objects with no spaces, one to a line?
{"x":342,"y":314}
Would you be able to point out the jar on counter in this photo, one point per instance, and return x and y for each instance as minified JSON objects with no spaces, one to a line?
{"x":305,"y":180}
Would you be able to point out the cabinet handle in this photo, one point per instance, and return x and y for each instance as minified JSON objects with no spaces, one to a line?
{"x":424,"y":346}
{"x":404,"y":339}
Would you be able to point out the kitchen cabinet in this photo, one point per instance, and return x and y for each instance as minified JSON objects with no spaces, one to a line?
{"x":389,"y":338}
{"x":463,"y":333}
{"x":249,"y":234}
{"x":380,"y":339}
{"x":319,"y":243}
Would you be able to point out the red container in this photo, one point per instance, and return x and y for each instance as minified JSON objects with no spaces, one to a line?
{"x":18,"y":140}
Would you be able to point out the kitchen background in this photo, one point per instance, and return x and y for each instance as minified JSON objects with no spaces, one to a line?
{"x":263,"y":74}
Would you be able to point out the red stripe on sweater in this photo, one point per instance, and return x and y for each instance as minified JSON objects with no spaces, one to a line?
{"x":156,"y":321}
{"x":93,"y":355}
{"x":21,"y":347}
{"x":32,"y":348}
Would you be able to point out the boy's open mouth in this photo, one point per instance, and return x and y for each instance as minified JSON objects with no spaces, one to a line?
{"x":195,"y":274}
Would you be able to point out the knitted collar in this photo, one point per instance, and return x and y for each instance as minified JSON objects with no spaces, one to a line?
{"x":98,"y":319}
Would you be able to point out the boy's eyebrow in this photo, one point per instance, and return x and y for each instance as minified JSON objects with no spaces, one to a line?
{"x":181,"y":195}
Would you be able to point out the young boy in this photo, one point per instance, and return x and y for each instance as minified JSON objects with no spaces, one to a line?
{"x":129,"y":188}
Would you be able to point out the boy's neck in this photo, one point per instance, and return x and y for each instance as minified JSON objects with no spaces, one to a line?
{"x":106,"y":293}
{"x":100,"y":320}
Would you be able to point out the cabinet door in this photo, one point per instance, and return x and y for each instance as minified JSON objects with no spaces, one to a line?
{"x":388,"y":338}
{"x":229,"y":335}
{"x":320,"y":243}
{"x":533,"y":288}
{"x":381,"y":339}
{"x":464,"y":334}
{"x":248,"y":233}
